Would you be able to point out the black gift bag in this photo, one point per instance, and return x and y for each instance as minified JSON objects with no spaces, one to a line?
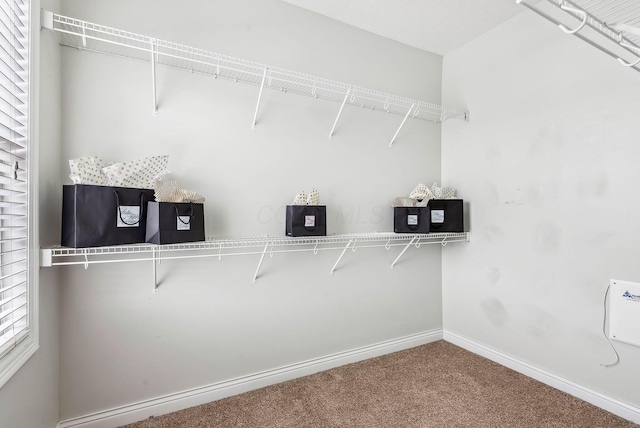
{"x":306,"y":220}
{"x":174,"y":222}
{"x":97,"y":216}
{"x":446,"y":215}
{"x":411,"y":219}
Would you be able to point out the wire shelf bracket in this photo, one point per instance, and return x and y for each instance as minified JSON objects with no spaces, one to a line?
{"x":98,"y":38}
{"x":608,"y":25}
{"x":63,"y":256}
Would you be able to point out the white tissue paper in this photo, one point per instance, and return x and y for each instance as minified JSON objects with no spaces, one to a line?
{"x":443,"y":192}
{"x":87,"y":170}
{"x":409,"y":202}
{"x":313,"y":198}
{"x":303,"y":199}
{"x":421,"y":192}
{"x":140,"y":173}
{"x":300,"y":199}
{"x":168,"y":191}
{"x":419,"y":197}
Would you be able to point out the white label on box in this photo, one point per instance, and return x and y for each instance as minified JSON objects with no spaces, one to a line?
{"x":412,"y":219}
{"x":128,"y":216}
{"x":437,"y":216}
{"x":184,"y":222}
{"x":309,"y":221}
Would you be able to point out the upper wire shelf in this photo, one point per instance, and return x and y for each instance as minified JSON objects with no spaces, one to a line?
{"x":99,"y":38}
{"x":613,"y":26}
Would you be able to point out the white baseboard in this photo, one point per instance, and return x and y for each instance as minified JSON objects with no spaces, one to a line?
{"x":182,"y":400}
{"x":598,"y":399}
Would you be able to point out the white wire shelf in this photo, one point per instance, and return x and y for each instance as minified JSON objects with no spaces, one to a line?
{"x":224,"y":247}
{"x":612,"y":26}
{"x":99,"y":38}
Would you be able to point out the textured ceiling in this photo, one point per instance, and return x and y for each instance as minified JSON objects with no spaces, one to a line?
{"x":437,"y":26}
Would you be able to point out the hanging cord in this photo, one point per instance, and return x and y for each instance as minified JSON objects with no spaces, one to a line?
{"x":604,"y":322}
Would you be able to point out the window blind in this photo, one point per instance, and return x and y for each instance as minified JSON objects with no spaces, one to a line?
{"x":14,"y":98}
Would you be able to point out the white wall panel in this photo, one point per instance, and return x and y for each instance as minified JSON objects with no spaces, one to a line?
{"x":548,"y":164}
{"x":120,"y":343}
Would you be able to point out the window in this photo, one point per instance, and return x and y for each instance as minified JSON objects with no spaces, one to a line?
{"x":17,"y":341}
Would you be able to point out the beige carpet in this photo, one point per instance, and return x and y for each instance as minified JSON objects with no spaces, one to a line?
{"x":435,"y":385}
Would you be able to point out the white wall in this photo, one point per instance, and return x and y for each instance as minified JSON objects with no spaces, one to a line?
{"x":30,"y":398}
{"x":549,"y":163}
{"x":122,"y":344}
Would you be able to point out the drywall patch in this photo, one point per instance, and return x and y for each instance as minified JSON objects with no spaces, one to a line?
{"x":493,"y":233}
{"x":541,"y":323}
{"x":601,"y":238}
{"x":494,"y":276}
{"x":594,"y":187}
{"x":546,"y":238}
{"x":495,"y":312}
{"x":493,"y":153}
{"x":543,"y":281}
{"x":492,"y":195}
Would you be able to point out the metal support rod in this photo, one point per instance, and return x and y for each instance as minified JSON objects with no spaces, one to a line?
{"x":153,"y":76}
{"x":339,"y":112}
{"x":341,"y":255}
{"x":255,"y":115}
{"x":403,"y":251}
{"x":260,"y":262}
{"x":402,"y":124}
{"x":84,"y":35}
{"x":155,"y":272}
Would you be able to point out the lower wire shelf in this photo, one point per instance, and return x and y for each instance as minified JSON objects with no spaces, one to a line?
{"x":223,"y":247}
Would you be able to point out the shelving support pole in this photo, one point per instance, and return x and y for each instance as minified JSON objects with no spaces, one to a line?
{"x":155,"y":272}
{"x":403,"y":251}
{"x":339,"y":112}
{"x":402,"y":124}
{"x":255,"y":115}
{"x":153,"y":75}
{"x":341,"y":255}
{"x":260,"y":262}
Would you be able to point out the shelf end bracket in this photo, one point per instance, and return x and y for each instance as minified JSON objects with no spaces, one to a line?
{"x":255,"y":115}
{"x":351,"y":241}
{"x":403,"y":251}
{"x":155,"y":260}
{"x":153,"y":75}
{"x":340,"y":112}
{"x":402,"y":124}
{"x":264,"y":251}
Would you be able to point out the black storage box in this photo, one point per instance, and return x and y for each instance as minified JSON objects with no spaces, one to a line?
{"x":411,"y":219}
{"x":98,"y":216}
{"x":446,"y":215}
{"x":174,"y":222}
{"x":306,"y":220}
